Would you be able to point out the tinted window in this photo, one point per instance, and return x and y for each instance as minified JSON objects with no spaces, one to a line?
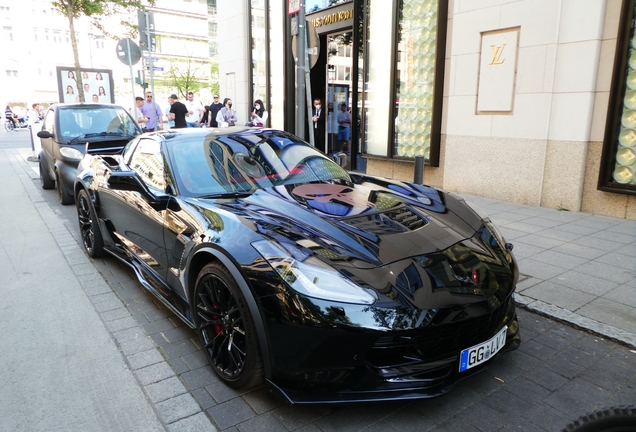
{"x":111,"y":120}
{"x":247,"y":161}
{"x":147,"y":162}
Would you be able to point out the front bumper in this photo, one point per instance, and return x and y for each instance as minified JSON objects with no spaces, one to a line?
{"x":352,"y":364}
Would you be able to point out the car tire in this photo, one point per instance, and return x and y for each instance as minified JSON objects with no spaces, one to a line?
{"x":64,"y":197}
{"x":226,"y":328}
{"x":615,"y":419}
{"x":45,"y":179}
{"x":89,"y":227}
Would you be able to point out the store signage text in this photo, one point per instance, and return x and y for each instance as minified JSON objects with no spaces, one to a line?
{"x":332,"y":18}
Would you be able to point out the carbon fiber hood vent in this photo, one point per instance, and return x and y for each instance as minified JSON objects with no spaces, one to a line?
{"x":398,"y":219}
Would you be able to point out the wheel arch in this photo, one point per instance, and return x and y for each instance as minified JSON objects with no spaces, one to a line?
{"x":207,"y":255}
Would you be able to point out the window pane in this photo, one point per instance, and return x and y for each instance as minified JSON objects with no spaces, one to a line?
{"x":417,"y":40}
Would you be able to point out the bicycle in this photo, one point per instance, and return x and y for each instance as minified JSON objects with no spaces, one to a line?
{"x":14,"y":125}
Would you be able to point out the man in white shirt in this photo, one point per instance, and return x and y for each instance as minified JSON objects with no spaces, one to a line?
{"x":137,"y":114}
{"x":195,"y":111}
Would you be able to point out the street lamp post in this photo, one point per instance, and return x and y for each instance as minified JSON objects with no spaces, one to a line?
{"x":331,"y":76}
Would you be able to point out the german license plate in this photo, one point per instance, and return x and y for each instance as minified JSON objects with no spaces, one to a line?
{"x":479,"y":354}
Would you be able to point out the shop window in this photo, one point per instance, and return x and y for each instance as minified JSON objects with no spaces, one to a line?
{"x":618,"y":165}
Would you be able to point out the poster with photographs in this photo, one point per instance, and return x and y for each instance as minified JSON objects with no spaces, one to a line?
{"x":98,"y":85}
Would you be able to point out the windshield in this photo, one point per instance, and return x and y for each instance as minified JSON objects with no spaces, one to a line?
{"x":96,"y":121}
{"x":245,"y":162}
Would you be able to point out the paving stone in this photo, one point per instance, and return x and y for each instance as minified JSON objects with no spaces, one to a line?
{"x":341,"y":420}
{"x":116,"y":314}
{"x":179,"y":365}
{"x":158,"y":326}
{"x":196,"y":360}
{"x":612,"y":313}
{"x":223,"y":393}
{"x":559,"y":259}
{"x":625,"y":294}
{"x":409,"y":420}
{"x":129,"y":334}
{"x":145,"y":358}
{"x":204,"y":398}
{"x":595,"y":242}
{"x":154,"y":373}
{"x":577,"y":397}
{"x":483,"y":417}
{"x":165,"y":389}
{"x":559,"y":295}
{"x":537,"y":350}
{"x":559,"y":235}
{"x":196,"y":423}
{"x":178,"y":349}
{"x":200,"y":377}
{"x":231,"y":413}
{"x":583,"y":282}
{"x":607,"y":372}
{"x":121,"y":324}
{"x":546,"y":417}
{"x":263,"y":423}
{"x":619,"y":259}
{"x":137,"y":345}
{"x":177,"y":408}
{"x":546,"y":378}
{"x":529,"y":391}
{"x":538,"y":269}
{"x":563,"y":367}
{"x":605,"y":271}
{"x":262,"y":401}
{"x":295,"y":417}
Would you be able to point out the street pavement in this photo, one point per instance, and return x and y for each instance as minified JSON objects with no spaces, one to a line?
{"x":84,"y":347}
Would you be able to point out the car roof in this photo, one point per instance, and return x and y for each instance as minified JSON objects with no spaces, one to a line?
{"x":85,"y":105}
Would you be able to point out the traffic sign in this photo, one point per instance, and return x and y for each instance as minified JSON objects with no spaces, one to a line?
{"x":128,"y":52}
{"x":147,"y":26}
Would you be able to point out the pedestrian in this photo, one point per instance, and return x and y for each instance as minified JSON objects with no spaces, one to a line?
{"x":205,"y":118}
{"x":152,"y":111}
{"x":258,"y":117}
{"x":137,"y":114}
{"x":195,"y":111}
{"x":318,"y":116}
{"x":178,"y":112}
{"x":226,"y":115}
{"x":215,"y":107}
{"x":344,"y":127}
{"x":332,"y":129}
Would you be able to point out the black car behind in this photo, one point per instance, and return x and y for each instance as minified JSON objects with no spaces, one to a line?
{"x":66,"y":131}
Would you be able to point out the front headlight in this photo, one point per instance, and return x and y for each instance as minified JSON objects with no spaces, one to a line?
{"x":71,"y":153}
{"x":312,"y":277}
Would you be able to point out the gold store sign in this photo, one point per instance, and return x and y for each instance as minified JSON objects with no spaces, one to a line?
{"x":332,"y":18}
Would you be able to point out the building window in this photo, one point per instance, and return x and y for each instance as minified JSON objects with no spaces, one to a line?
{"x":7,"y":34}
{"x":46,"y":34}
{"x":57,"y":37}
{"x":211,"y":7}
{"x":618,"y":164}
{"x":212,"y":29}
{"x":99,"y":43}
{"x":12,"y":73}
{"x":5,"y":9}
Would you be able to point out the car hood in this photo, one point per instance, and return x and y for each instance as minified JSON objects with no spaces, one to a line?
{"x":368,"y":224}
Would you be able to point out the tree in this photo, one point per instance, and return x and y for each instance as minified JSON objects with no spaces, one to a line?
{"x":185,"y":77}
{"x":75,"y":9}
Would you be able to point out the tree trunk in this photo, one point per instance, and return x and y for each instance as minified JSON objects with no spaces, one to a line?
{"x":78,"y":73}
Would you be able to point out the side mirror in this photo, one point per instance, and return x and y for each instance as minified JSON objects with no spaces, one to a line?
{"x":45,"y":134}
{"x":127,"y":181}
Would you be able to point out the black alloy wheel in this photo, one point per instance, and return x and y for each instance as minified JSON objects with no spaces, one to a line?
{"x":226,"y":328}
{"x":64,"y":197}
{"x":89,"y":228}
{"x":45,"y":179}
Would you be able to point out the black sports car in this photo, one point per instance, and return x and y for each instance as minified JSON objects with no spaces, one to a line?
{"x":331,"y":286}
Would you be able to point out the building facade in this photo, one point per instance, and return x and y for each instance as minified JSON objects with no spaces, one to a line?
{"x":185,"y":34}
{"x":529,"y":101}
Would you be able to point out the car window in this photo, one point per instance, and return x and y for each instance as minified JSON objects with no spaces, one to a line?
{"x":128,"y":149}
{"x":106,"y":120}
{"x":147,"y":162}
{"x":247,"y":162}
{"x":49,"y":121}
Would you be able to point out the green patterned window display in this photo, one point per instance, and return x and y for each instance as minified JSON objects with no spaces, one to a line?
{"x":625,"y":159}
{"x":417,"y":41}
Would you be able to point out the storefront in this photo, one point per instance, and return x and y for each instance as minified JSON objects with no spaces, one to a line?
{"x":528,"y":101}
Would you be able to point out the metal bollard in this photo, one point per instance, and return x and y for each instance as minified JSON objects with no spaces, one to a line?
{"x":418,"y":174}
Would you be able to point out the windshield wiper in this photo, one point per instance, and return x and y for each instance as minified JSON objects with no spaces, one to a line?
{"x":228,"y":195}
{"x":99,"y":134}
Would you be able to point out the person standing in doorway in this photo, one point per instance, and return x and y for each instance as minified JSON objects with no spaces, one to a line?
{"x":318,"y":116}
{"x":147,"y":110}
{"x":195,"y":111}
{"x":178,"y":112}
{"x":215,"y":107}
{"x":332,"y":129}
{"x":344,"y":127}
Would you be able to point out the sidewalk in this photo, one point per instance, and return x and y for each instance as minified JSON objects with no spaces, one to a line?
{"x":73,"y":359}
{"x":578,"y":268}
